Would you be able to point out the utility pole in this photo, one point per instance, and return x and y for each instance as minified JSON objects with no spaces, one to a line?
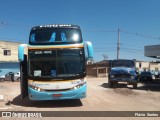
{"x":118,"y":44}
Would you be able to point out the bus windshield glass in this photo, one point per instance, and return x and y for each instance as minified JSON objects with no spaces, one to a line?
{"x":56,"y":63}
{"x":55,"y":35}
{"x":123,"y":63}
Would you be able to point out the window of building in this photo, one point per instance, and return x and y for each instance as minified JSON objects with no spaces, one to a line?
{"x":7,"y":52}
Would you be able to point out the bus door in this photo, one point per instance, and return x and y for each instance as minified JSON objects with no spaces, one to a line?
{"x":23,"y":78}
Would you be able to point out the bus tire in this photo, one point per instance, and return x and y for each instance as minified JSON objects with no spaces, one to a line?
{"x":134,"y":85}
{"x":110,"y":84}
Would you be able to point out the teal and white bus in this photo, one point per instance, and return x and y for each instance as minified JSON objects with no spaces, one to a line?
{"x":54,"y":65}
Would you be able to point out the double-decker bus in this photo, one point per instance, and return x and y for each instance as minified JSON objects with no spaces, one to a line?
{"x":53,"y":68}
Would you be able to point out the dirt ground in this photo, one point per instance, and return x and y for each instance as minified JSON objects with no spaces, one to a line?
{"x":99,"y":98}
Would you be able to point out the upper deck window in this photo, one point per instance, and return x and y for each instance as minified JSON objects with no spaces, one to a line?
{"x":55,"y":35}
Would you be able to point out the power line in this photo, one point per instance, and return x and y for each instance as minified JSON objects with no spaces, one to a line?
{"x":104,"y":48}
{"x":103,"y":43}
{"x":124,"y":31}
{"x":141,"y":35}
{"x":133,"y":51}
{"x":100,"y":31}
{"x":118,"y":41}
{"x":128,"y":45}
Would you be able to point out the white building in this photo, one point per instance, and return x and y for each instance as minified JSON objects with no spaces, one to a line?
{"x":9,"y":51}
{"x":147,"y":66}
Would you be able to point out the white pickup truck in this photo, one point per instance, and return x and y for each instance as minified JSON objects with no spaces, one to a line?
{"x":10,"y":77}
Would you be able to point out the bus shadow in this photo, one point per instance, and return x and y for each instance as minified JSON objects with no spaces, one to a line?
{"x":45,"y":104}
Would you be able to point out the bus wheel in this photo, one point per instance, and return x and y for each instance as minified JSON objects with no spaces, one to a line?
{"x":134,"y":85}
{"x":110,"y":84}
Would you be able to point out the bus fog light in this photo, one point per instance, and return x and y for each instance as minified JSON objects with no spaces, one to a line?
{"x":80,"y":85}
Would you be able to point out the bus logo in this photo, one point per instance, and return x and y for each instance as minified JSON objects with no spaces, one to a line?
{"x":53,"y":72}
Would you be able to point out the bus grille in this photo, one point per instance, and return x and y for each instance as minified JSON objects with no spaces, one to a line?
{"x":60,"y":90}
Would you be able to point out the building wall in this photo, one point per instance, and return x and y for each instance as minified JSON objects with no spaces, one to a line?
{"x":13,"y":47}
{"x":155,"y":67}
{"x":142,"y":66}
{"x":147,"y":66}
{"x":97,"y":69}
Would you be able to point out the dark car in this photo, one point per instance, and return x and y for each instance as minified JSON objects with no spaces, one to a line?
{"x":146,"y":76}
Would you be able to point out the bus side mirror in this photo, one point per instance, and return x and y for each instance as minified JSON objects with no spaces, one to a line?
{"x":21,"y":52}
{"x":89,"y":50}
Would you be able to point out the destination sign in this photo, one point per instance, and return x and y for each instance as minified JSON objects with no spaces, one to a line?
{"x":61,"y":25}
{"x":43,"y":52}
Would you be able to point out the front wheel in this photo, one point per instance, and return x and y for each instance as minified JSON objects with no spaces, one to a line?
{"x":134,"y":85}
{"x":110,"y":84}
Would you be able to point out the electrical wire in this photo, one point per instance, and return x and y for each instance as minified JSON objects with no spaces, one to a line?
{"x":138,"y":50}
{"x":100,"y":31}
{"x":132,"y":51}
{"x":139,"y":34}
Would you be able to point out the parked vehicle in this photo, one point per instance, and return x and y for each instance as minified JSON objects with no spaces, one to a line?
{"x":146,"y":76}
{"x":157,"y":75}
{"x":123,"y":71}
{"x":10,"y":77}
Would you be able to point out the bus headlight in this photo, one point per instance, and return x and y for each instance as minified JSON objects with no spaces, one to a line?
{"x":79,"y":85}
{"x":36,"y":88}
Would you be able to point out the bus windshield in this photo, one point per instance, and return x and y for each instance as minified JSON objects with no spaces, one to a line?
{"x":55,"y":35}
{"x":123,"y":63}
{"x":56,"y":63}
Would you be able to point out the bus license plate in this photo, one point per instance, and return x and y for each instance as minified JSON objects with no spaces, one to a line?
{"x":57,"y":95}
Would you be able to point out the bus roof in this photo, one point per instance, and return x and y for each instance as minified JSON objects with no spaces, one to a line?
{"x":56,"y":26}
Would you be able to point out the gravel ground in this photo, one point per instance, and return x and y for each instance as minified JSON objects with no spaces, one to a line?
{"x":99,"y":98}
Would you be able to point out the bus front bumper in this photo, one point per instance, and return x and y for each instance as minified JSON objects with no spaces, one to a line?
{"x":60,"y":95}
